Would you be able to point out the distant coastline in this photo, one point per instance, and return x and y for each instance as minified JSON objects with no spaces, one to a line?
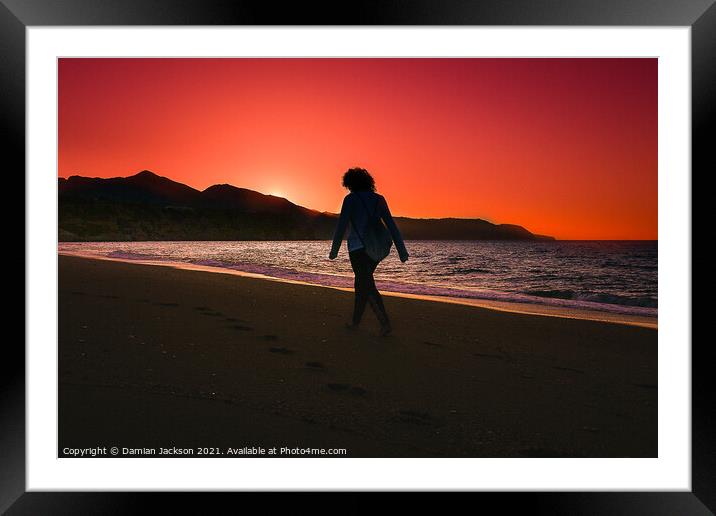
{"x":147,"y":206}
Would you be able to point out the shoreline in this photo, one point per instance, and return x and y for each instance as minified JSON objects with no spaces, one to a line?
{"x":543,"y":310}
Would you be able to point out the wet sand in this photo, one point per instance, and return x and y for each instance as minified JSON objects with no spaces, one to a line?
{"x":153,"y":356}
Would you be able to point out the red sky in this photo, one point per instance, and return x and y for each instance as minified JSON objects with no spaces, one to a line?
{"x":565,"y":147}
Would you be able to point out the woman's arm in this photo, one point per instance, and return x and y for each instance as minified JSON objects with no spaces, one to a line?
{"x":394,"y":231}
{"x":341,"y":227}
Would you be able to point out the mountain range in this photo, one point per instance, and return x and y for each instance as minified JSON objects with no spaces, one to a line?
{"x":147,"y":206}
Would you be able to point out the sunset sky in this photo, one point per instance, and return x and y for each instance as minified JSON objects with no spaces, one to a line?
{"x":564,"y":147}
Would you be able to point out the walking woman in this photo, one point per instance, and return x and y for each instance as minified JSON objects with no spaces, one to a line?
{"x":359,"y":206}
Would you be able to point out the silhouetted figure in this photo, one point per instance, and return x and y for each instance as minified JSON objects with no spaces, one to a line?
{"x":361,"y":207}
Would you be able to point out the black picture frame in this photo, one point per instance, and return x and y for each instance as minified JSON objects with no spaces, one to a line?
{"x":17,"y":15}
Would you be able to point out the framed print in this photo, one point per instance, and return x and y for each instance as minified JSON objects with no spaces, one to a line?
{"x":425,"y":249}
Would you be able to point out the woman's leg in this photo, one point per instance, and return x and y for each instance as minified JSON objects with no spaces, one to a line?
{"x":366,"y":290}
{"x":360,"y":285}
{"x":374,"y":297}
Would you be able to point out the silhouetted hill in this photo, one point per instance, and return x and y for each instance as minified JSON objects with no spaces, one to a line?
{"x":462,"y":229}
{"x":146,"y":206}
{"x":144,"y":187}
{"x":248,"y":201}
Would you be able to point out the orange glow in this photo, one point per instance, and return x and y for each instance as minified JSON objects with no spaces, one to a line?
{"x":564,"y":147}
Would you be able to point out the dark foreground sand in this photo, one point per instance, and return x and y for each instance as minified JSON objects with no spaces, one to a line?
{"x":155,"y":357}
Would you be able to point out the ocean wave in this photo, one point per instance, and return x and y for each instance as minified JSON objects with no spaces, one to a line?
{"x":123,"y":255}
{"x":595,"y":297}
{"x":472,"y":270}
{"x":455,"y":259}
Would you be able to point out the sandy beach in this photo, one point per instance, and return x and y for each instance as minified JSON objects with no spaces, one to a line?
{"x":153,"y":357}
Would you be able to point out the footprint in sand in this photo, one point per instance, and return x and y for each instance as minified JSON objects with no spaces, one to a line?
{"x":240,"y":327}
{"x":433,"y":344}
{"x":571,"y":369}
{"x":281,"y":351}
{"x":210,"y":312}
{"x":268,"y":337}
{"x":314,"y":365}
{"x":167,"y":304}
{"x":487,"y":355}
{"x":346,"y":389}
{"x":415,"y":417}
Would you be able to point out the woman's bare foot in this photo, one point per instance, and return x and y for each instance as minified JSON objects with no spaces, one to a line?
{"x":385,"y":330}
{"x":351,"y":326}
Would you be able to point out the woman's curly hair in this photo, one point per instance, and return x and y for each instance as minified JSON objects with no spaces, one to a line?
{"x":358,"y":180}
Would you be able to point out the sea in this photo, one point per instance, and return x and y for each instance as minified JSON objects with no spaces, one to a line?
{"x":609,"y":276}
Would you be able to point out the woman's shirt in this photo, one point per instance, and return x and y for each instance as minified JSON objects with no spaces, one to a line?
{"x":354,"y":212}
